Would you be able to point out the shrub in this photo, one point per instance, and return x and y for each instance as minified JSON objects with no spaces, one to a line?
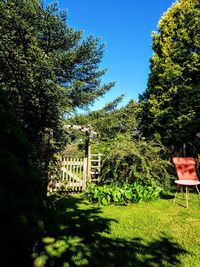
{"x":21,"y":197}
{"x":136,"y":160}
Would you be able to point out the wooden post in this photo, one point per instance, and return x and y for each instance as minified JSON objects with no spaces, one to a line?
{"x":88,"y":161}
{"x":84,"y":173}
{"x":99,"y":166}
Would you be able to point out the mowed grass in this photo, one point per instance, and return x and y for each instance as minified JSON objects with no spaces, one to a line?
{"x":156,"y":233}
{"x":159,"y":220}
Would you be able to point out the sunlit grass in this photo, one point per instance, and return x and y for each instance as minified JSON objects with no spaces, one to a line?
{"x":160,"y":218}
{"x":156,"y":233}
{"x":150,"y":220}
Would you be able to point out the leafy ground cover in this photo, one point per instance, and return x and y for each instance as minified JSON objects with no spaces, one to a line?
{"x":122,"y":193}
{"x":156,"y":233}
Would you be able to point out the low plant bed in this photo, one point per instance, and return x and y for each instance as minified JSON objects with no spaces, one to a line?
{"x":122,"y":193}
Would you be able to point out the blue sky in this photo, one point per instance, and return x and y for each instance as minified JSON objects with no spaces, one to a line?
{"x":125,"y":27}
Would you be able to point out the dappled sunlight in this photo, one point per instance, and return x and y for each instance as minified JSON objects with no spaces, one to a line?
{"x":75,"y":238}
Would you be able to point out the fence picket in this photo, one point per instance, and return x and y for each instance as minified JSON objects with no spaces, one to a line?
{"x":84,"y":173}
{"x":74,"y":173}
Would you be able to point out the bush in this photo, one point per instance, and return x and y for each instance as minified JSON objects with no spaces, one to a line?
{"x":136,"y":160}
{"x":123,"y":193}
{"x":21,"y":197}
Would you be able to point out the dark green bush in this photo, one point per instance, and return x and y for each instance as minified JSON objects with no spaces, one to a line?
{"x":21,"y":187}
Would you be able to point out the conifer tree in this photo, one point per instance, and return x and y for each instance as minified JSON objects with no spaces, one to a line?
{"x":170,"y":106}
{"x":47,"y":69}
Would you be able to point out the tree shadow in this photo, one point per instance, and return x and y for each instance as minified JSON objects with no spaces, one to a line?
{"x":167,"y":195}
{"x":193,"y":199}
{"x":77,"y":237}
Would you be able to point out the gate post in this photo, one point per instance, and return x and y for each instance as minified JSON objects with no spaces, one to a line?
{"x":88,"y":161}
{"x":84,"y":173}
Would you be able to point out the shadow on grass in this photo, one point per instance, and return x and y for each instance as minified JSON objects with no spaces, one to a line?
{"x":167,"y":196}
{"x":74,"y":238}
{"x":193,"y":199}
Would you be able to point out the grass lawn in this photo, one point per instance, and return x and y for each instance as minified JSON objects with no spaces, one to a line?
{"x":156,"y":233}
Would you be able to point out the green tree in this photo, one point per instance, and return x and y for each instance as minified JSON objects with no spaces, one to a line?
{"x":47,"y":70}
{"x":127,"y":155}
{"x":169,"y":108}
{"x":110,"y":120}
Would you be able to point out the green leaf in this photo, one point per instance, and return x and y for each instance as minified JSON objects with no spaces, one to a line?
{"x":104,"y":201}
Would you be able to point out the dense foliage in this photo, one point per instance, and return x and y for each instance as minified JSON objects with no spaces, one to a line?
{"x":110,"y":120}
{"x":47,"y":70}
{"x":127,"y":155}
{"x":170,"y":105}
{"x":131,"y":159}
{"x":122,"y":193}
{"x":21,"y":192}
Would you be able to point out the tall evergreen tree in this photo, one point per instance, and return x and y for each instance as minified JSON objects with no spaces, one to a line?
{"x":47,"y":69}
{"x":170,"y":106}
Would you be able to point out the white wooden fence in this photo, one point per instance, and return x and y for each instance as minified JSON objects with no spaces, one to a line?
{"x":74,"y":174}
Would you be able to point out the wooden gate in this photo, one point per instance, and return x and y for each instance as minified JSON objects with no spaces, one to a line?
{"x":72,"y":176}
{"x":74,"y":173}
